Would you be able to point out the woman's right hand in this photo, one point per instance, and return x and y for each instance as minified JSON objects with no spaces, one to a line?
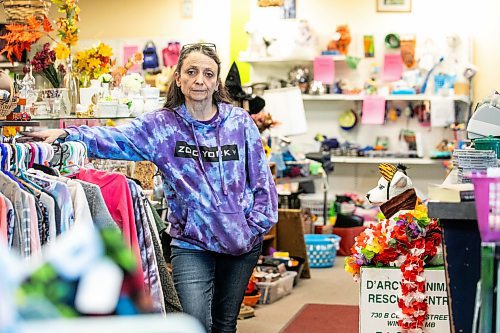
{"x":48,"y":136}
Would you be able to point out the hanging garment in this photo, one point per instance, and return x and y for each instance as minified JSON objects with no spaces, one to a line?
{"x":10,"y":222}
{"x":98,"y":210}
{"x":171,"y":299}
{"x":62,"y":196}
{"x":22,"y":232}
{"x":50,"y":211}
{"x":3,"y":220}
{"x":36,"y":246}
{"x":80,"y":203}
{"x":116,"y":194}
{"x":148,"y":259}
{"x":78,"y":198}
{"x":160,"y":224}
{"x":43,"y":221}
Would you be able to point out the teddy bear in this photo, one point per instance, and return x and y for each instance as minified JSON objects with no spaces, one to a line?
{"x":341,"y":40}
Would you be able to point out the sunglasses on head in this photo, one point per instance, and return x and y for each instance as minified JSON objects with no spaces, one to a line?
{"x":199,"y":46}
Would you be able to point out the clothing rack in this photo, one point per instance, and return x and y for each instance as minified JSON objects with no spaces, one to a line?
{"x":120,"y":204}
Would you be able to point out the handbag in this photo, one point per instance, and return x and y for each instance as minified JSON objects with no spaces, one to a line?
{"x":150,"y":56}
{"x":171,"y":54}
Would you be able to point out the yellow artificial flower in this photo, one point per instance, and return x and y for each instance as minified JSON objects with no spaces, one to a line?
{"x":104,"y":50}
{"x":62,"y":51}
{"x":420,"y":212}
{"x":70,"y":39}
{"x":374,"y":246}
{"x":93,"y":62}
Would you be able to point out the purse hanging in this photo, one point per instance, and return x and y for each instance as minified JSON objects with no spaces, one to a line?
{"x":150,"y":56}
{"x":171,"y":54}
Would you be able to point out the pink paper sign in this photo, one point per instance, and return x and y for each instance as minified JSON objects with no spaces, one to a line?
{"x":393,"y":67}
{"x":128,"y":52}
{"x":324,"y":69}
{"x":373,"y":110}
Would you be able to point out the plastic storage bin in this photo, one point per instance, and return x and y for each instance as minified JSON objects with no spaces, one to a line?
{"x":315,"y":202}
{"x":321,"y":249}
{"x":487,"y":194}
{"x":273,"y":291}
{"x":489,"y":143}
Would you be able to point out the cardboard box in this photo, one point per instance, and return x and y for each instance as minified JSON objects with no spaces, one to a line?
{"x":378,"y":305}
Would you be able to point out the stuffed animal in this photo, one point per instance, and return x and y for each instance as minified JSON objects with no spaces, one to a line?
{"x":341,"y":40}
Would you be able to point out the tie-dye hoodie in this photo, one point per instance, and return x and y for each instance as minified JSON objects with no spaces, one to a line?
{"x":220,"y":191}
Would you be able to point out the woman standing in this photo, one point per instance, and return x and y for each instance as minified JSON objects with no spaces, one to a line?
{"x":221,"y":195}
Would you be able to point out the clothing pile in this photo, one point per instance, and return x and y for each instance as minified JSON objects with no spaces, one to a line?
{"x":37,"y":205}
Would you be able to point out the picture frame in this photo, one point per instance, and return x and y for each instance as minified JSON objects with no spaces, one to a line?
{"x":394,"y":6}
{"x":289,"y":9}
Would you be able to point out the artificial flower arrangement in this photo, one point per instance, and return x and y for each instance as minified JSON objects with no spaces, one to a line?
{"x":43,"y":63}
{"x":67,"y":28}
{"x":132,"y":83}
{"x":90,"y":64}
{"x":20,"y":36}
{"x":408,"y":241}
{"x":118,"y":72}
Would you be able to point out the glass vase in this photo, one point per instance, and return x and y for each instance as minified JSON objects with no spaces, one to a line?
{"x":54,"y":101}
{"x":71,"y":83}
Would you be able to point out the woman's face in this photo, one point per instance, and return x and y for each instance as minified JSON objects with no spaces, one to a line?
{"x":197,"y":78}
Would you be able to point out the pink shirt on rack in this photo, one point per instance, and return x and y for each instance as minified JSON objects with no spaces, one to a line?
{"x":3,"y":220}
{"x":118,"y":199}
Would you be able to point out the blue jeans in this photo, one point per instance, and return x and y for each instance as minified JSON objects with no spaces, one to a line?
{"x":211,"y":286}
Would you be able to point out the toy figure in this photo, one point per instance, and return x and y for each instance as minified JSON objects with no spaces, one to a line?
{"x":341,"y":40}
{"x":395,"y":194}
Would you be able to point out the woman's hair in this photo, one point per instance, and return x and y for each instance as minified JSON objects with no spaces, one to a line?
{"x":175,"y":97}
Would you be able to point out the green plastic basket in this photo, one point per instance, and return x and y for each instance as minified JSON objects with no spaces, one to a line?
{"x":489,"y":143}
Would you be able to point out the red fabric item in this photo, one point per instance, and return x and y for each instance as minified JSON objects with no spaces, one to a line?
{"x":118,"y":199}
{"x":324,"y":318}
{"x":347,"y":240}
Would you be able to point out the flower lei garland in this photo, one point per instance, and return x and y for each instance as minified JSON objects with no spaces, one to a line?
{"x":405,"y":241}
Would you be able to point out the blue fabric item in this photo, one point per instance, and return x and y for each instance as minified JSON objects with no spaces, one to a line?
{"x":211,"y":286}
{"x":219,"y":188}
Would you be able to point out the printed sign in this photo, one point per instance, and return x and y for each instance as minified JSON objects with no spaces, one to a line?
{"x":378,"y":302}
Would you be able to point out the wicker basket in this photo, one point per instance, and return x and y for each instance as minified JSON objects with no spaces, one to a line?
{"x":7,"y":107}
{"x":19,"y":10}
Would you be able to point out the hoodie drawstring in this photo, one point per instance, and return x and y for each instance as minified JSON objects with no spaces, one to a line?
{"x":221,"y":165}
{"x":203,"y":167}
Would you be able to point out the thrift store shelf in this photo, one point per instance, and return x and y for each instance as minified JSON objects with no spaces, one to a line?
{"x":83,"y":118}
{"x":264,"y":60}
{"x":288,"y":180}
{"x":378,"y":160}
{"x":14,"y":64}
{"x":345,"y":97}
{"x":18,"y":123}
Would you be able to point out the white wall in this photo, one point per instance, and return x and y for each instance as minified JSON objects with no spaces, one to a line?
{"x":477,"y":19}
{"x":122,"y":21}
